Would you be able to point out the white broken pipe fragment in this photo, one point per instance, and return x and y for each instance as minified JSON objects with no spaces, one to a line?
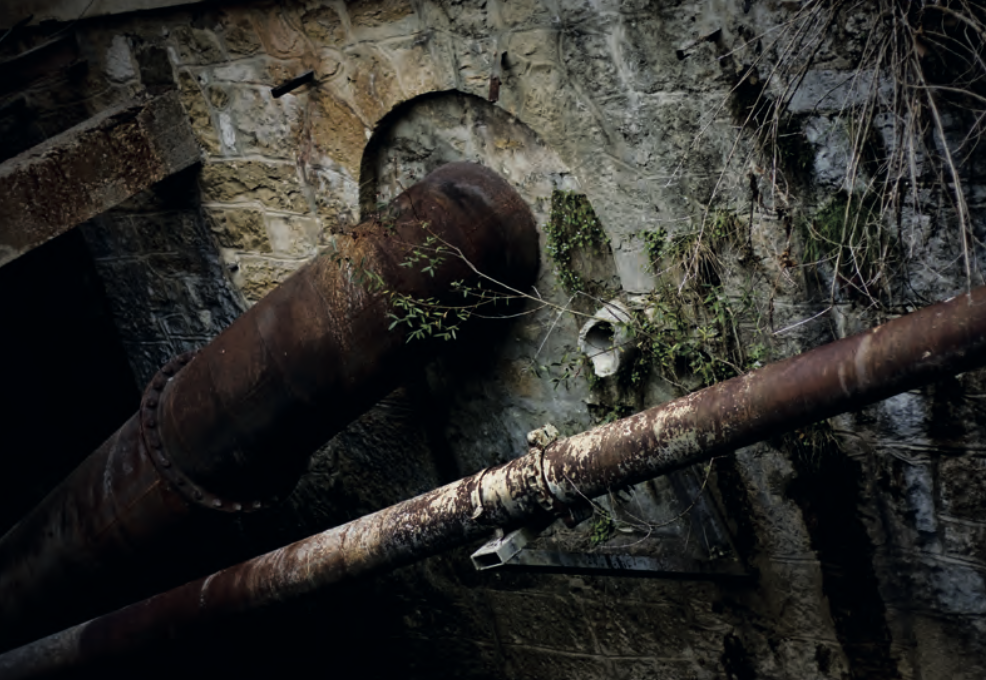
{"x":605,"y":339}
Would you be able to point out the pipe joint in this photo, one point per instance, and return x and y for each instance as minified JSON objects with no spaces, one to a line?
{"x":152,"y":446}
{"x":537,"y":481}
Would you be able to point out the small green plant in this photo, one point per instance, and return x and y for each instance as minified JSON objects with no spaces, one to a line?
{"x":423,"y":317}
{"x":654,"y":243}
{"x":849,"y":234}
{"x":603,"y":527}
{"x":572,"y":229}
{"x":566,"y":369}
{"x":809,"y":446}
{"x":688,"y":330}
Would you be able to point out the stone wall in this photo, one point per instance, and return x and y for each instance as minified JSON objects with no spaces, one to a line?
{"x":865,"y":533}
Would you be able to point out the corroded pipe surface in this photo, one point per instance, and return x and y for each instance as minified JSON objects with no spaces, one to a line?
{"x":232,"y":429}
{"x":933,"y":343}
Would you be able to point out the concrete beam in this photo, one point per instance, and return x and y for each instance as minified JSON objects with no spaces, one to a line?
{"x":90,"y":168}
{"x":12,"y":11}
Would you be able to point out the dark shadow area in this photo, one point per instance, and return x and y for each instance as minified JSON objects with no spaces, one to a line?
{"x":827,"y":490}
{"x":66,"y":382}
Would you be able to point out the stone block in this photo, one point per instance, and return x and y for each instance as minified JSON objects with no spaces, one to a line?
{"x":197,"y":46}
{"x":218,"y":96}
{"x":962,"y":484}
{"x":112,"y":235}
{"x":529,"y":618}
{"x":258,"y":276}
{"x":589,"y":59}
{"x":292,"y":235}
{"x":530,"y":664}
{"x":470,"y":19}
{"x":826,"y":91}
{"x":198,"y":112}
{"x":374,"y":88}
{"x":168,"y":232}
{"x":336,"y":196}
{"x":238,"y":33}
{"x":275,"y":185}
{"x":964,"y":541}
{"x":323,"y":27}
{"x":239,"y":229}
{"x":119,"y":63}
{"x":89,"y":169}
{"x":537,"y":45}
{"x":931,"y":583}
{"x":212,"y":299}
{"x":418,"y":69}
{"x":262,"y":125}
{"x":473,"y":62}
{"x":628,"y":628}
{"x":130,"y":299}
{"x":279,"y":30}
{"x":648,"y":52}
{"x":336,"y":130}
{"x":633,"y":266}
{"x":261,"y":70}
{"x":381,"y":19}
{"x":525,"y":13}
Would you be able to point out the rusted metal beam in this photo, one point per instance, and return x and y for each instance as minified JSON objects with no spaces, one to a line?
{"x":936,"y":342}
{"x":231,"y":429}
{"x":90,"y":168}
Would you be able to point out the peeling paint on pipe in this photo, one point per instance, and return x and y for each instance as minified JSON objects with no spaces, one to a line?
{"x":931,"y":344}
{"x":233,"y":429}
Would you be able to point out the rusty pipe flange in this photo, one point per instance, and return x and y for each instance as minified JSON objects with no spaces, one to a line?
{"x":571,"y":514}
{"x":152,"y":447}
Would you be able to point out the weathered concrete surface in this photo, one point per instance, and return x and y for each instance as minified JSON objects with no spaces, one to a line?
{"x":90,"y":168}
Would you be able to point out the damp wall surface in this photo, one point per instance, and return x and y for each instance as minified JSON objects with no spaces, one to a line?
{"x":866,"y":534}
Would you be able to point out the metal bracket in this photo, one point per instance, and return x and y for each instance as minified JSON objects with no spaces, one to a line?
{"x":502,"y":548}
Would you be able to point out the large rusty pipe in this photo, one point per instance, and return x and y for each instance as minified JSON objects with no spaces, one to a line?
{"x":936,"y":342}
{"x":232,"y":428}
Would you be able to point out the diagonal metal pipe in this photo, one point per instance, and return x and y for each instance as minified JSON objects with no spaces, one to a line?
{"x":936,"y":342}
{"x":231,"y":429}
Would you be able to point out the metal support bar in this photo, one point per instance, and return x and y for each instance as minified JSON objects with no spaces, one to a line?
{"x":610,"y":564}
{"x":934,"y":343}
